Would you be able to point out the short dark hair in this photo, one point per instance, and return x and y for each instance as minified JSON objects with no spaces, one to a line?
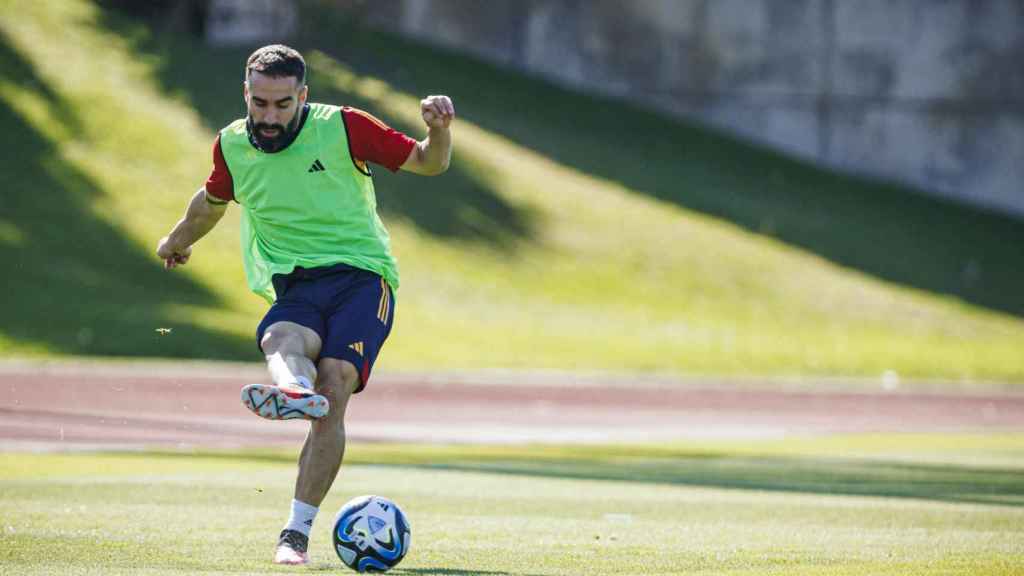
{"x":277,"y":61}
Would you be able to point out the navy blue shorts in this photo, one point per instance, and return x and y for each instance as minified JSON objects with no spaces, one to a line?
{"x":350,"y":309}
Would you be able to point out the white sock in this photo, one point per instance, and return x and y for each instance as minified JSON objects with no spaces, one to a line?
{"x":282,"y":375}
{"x":302,"y":517}
{"x":304,"y":382}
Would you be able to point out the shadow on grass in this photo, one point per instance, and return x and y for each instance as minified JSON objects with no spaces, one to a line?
{"x":804,"y":475}
{"x":459,"y":205}
{"x":73,"y":282}
{"x":800,"y":475}
{"x":453,"y":572}
{"x":891,"y":232}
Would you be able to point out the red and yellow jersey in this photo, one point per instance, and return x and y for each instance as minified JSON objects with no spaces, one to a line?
{"x":369,"y":140}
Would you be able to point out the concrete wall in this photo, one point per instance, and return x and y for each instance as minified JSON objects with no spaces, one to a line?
{"x":245,"y":22}
{"x":929,"y":92}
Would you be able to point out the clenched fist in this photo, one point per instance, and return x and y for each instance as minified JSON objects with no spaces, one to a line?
{"x":438,"y":111}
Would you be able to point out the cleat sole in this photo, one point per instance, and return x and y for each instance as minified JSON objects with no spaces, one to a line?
{"x":272,"y":403}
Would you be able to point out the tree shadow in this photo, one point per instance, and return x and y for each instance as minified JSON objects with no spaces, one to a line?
{"x":788,"y":474}
{"x":74,"y":283}
{"x":333,"y":567}
{"x":454,"y":572}
{"x":892,"y":232}
{"x":835,"y":476}
{"x":460,"y":205}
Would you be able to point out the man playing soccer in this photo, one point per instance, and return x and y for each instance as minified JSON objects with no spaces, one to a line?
{"x":312,"y":245}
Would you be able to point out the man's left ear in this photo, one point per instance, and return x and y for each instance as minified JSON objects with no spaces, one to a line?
{"x":303,"y":94}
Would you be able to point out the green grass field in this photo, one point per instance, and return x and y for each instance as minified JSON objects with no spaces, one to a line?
{"x":887,"y":504}
{"x":571,"y":232}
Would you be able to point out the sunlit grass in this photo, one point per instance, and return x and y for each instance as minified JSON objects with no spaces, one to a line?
{"x":693,"y":509}
{"x":601,"y":277}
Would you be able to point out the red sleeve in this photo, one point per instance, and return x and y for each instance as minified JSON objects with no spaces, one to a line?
{"x":371,"y":140}
{"x":219,"y":184}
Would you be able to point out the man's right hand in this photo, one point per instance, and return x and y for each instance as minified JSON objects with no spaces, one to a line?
{"x":172,"y":255}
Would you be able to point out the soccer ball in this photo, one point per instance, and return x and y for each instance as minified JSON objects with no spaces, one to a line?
{"x":371,"y":534}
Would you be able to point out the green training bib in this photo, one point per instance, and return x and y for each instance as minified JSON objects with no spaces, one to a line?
{"x":307,"y":205}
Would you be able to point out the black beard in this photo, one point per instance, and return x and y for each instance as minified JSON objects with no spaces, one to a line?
{"x":285,"y":134}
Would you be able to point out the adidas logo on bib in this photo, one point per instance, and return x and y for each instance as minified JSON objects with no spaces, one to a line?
{"x":316,"y":167}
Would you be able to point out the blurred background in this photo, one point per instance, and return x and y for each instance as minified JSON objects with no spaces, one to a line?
{"x":800,"y":188}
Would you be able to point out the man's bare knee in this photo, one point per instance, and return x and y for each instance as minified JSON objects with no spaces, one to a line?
{"x":289,"y":338}
{"x":280,"y":341}
{"x":337,"y":379}
{"x":349,"y":377}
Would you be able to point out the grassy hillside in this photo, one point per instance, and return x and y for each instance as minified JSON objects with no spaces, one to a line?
{"x":571,"y":232}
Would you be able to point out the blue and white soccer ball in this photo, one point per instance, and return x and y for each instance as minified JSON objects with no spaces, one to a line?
{"x":371,"y":534}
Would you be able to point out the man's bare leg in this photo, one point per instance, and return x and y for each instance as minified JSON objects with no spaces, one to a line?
{"x":290,"y":349}
{"x":325,"y":444}
{"x":319,"y":460}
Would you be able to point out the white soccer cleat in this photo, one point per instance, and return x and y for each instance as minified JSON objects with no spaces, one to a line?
{"x":291,"y":549}
{"x":284,"y":403}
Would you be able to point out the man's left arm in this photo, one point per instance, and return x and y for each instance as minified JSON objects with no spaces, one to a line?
{"x":432,"y":155}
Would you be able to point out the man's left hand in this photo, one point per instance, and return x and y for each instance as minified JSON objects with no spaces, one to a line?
{"x":438,"y":111}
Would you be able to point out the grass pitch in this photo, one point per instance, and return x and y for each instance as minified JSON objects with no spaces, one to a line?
{"x":824,"y":506}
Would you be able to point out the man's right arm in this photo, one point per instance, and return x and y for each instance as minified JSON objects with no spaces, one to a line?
{"x":202,"y":214}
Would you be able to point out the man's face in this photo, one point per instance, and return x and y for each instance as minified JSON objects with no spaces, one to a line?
{"x":274,"y":105}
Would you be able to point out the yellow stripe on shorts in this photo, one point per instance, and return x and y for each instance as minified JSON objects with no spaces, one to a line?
{"x":385,"y":302}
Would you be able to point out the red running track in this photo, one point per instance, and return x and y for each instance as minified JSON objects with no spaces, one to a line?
{"x":87,"y":405}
